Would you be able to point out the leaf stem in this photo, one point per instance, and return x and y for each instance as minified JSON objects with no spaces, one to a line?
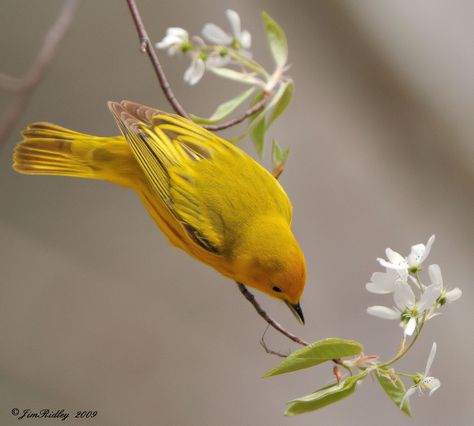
{"x":403,"y":350}
{"x":411,"y":376}
{"x":249,"y":63}
{"x":421,"y":286}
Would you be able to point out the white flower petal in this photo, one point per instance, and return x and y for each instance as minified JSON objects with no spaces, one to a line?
{"x":181,"y":33}
{"x":453,"y":295}
{"x":374,"y":288}
{"x":403,"y":296}
{"x":195,"y":71}
{"x":416,"y":253}
{"x":420,"y":252}
{"x":431,"y":357}
{"x":168,"y":41}
{"x":245,"y":39}
{"x":435,"y":275}
{"x":410,"y":327}
{"x":396,"y":259}
{"x":413,"y":280}
{"x":385,"y":264}
{"x":435,"y":314}
{"x":407,"y":395}
{"x":234,"y":20}
{"x":383,"y":312}
{"x":174,"y":49}
{"x":174,"y":35}
{"x":403,"y":274}
{"x":429,"y":297}
{"x":382,"y":282}
{"x":216,"y":34}
{"x":428,"y":248}
{"x":433,"y":384}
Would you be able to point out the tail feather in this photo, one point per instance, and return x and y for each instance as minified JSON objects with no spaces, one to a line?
{"x":43,"y":129}
{"x":49,"y":149}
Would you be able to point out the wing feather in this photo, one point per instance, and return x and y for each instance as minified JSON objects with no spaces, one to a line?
{"x":166,"y":147}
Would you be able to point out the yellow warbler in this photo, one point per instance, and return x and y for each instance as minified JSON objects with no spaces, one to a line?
{"x":207,"y":196}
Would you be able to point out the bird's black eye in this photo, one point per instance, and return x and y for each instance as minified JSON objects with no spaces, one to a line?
{"x":276,"y":289}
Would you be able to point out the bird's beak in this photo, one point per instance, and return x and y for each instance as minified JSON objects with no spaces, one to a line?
{"x":297,"y":311}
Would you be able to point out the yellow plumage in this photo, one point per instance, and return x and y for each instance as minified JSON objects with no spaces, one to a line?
{"x":207,"y":196}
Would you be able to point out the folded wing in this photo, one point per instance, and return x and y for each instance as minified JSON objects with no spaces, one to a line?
{"x":166,"y":146}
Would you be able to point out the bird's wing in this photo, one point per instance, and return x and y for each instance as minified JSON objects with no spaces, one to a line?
{"x":166,"y":146}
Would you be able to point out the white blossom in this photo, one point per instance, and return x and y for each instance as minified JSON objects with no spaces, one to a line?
{"x":446,"y":295}
{"x":238,"y":39}
{"x":175,"y":40}
{"x":384,"y":282}
{"x":412,"y":262}
{"x":395,"y":261}
{"x":407,"y":309}
{"x":195,"y":71}
{"x":424,"y":382}
{"x":419,"y":253}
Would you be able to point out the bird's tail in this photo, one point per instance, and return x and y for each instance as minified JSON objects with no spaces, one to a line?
{"x":48,"y":149}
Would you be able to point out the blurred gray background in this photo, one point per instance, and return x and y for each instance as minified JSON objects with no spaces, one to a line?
{"x":97,"y":312}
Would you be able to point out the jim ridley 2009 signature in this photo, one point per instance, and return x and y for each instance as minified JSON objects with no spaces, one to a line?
{"x":47,"y":413}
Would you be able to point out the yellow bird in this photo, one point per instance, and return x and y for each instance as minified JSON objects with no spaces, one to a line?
{"x":208,"y":197}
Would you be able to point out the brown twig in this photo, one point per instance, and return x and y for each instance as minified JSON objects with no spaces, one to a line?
{"x":267,"y":349}
{"x":147,"y":47}
{"x":24,"y":87}
{"x":251,"y":298}
{"x":256,"y":108}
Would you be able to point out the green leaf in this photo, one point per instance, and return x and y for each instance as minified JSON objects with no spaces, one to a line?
{"x":276,"y":39}
{"x":258,"y":97}
{"x":277,"y":104}
{"x":258,"y":135}
{"x":394,"y":388}
{"x":279,"y":157}
{"x":325,"y":396}
{"x":257,"y":126}
{"x":224,"y":109}
{"x":236,"y":76}
{"x":317,"y":353}
{"x":285,"y":94}
{"x":269,"y":106}
{"x":256,"y":119}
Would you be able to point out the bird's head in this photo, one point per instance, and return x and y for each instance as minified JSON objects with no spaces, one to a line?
{"x":270,"y":260}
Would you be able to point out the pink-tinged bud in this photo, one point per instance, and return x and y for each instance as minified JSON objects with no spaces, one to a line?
{"x":337,"y":373}
{"x":361,"y":361}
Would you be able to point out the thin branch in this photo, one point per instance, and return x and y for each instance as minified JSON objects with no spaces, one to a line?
{"x":251,"y":298}
{"x":256,"y":108}
{"x":25,"y":86}
{"x":267,"y":349}
{"x":146,"y":47}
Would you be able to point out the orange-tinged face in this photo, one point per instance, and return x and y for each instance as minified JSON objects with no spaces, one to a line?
{"x":274,"y":264}
{"x":290,"y":280}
